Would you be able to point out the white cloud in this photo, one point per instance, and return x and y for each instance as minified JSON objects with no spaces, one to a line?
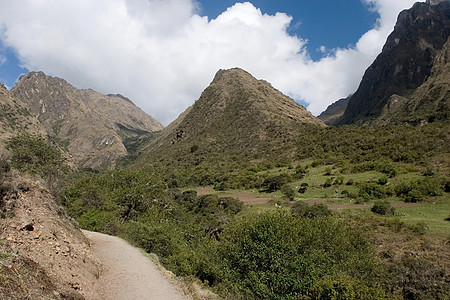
{"x":161,"y":54}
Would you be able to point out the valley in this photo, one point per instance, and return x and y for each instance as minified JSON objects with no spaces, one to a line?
{"x":246,"y":195}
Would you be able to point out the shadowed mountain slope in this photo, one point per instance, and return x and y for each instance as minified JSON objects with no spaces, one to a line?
{"x":409,"y":81}
{"x":91,"y":126}
{"x":334,"y":111}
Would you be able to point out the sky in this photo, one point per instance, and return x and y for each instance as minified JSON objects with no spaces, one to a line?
{"x":163,"y":53}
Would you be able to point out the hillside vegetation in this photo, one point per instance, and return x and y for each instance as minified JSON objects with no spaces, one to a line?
{"x":299,"y":250}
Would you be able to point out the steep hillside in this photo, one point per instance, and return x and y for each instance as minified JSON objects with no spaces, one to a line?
{"x":334,"y":112}
{"x":43,"y":253}
{"x":15,"y":118}
{"x":237,"y":115}
{"x":91,"y":126}
{"x":408,"y":81}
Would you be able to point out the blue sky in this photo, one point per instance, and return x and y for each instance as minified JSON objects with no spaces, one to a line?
{"x":163,"y":53}
{"x":329,"y":23}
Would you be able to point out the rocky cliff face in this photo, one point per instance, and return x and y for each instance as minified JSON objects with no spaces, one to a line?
{"x":415,"y":55}
{"x":236,"y":114}
{"x":15,"y":118}
{"x":91,"y":126}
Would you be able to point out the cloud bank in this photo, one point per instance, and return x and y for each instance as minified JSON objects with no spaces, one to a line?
{"x":162,"y":54}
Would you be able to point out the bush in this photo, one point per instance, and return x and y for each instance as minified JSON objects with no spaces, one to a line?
{"x":344,"y":287}
{"x":303,"y":187}
{"x":413,"y":196}
{"x":273,"y":184}
{"x":328,"y":183}
{"x":288,"y":192}
{"x":419,"y":279}
{"x":339,"y":180}
{"x":33,"y":155}
{"x":273,"y":255}
{"x":414,"y":191}
{"x":383,"y":180}
{"x":383,"y":208}
{"x":300,"y":172}
{"x":302,"y":209}
{"x":370,"y":190}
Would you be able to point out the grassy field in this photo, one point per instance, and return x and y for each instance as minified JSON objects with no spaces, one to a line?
{"x":433,"y":212}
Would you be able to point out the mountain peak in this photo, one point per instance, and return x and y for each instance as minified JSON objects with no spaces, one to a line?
{"x":92,"y":127}
{"x":233,"y":73}
{"x":236,"y":114}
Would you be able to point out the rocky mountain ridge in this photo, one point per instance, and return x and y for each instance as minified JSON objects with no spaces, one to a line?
{"x":408,"y":81}
{"x":92,"y":127}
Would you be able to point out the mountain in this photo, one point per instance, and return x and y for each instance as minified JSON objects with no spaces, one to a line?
{"x":409,"y":81}
{"x":236,"y":115}
{"x":334,"y":111}
{"x":94,"y":128}
{"x":15,"y":118}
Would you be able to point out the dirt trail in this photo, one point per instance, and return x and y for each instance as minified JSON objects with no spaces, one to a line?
{"x":127,"y":273}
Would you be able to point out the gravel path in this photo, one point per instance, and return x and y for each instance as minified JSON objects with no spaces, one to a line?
{"x":127,"y":273}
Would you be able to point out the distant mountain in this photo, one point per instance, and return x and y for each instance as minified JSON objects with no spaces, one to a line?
{"x":409,"y":81}
{"x":92,"y":127}
{"x":334,"y":111}
{"x":236,"y":116}
{"x":15,"y":118}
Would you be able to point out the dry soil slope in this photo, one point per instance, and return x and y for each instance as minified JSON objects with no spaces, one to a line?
{"x":44,"y":255}
{"x":236,"y":115}
{"x":93,"y":127}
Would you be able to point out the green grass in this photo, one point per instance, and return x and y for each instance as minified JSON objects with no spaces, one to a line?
{"x":4,"y":255}
{"x":433,"y":214}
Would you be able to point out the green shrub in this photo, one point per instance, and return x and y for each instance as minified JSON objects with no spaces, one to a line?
{"x":101,"y":221}
{"x":273,"y":184}
{"x":288,"y":192}
{"x":383,"y":207}
{"x":302,"y":209}
{"x":33,"y":155}
{"x":303,"y":187}
{"x":339,"y":180}
{"x":419,"y":228}
{"x":345,"y":288}
{"x":413,"y":196}
{"x":300,"y":172}
{"x":414,"y":191}
{"x":370,"y":190}
{"x":273,"y":255}
{"x":328,"y":182}
{"x":383,"y":180}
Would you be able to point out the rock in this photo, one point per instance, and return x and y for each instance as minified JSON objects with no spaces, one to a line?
{"x":28,"y":227}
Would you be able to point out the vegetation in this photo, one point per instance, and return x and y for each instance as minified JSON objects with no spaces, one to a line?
{"x":306,"y":251}
{"x":383,"y":207}
{"x":33,"y":155}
